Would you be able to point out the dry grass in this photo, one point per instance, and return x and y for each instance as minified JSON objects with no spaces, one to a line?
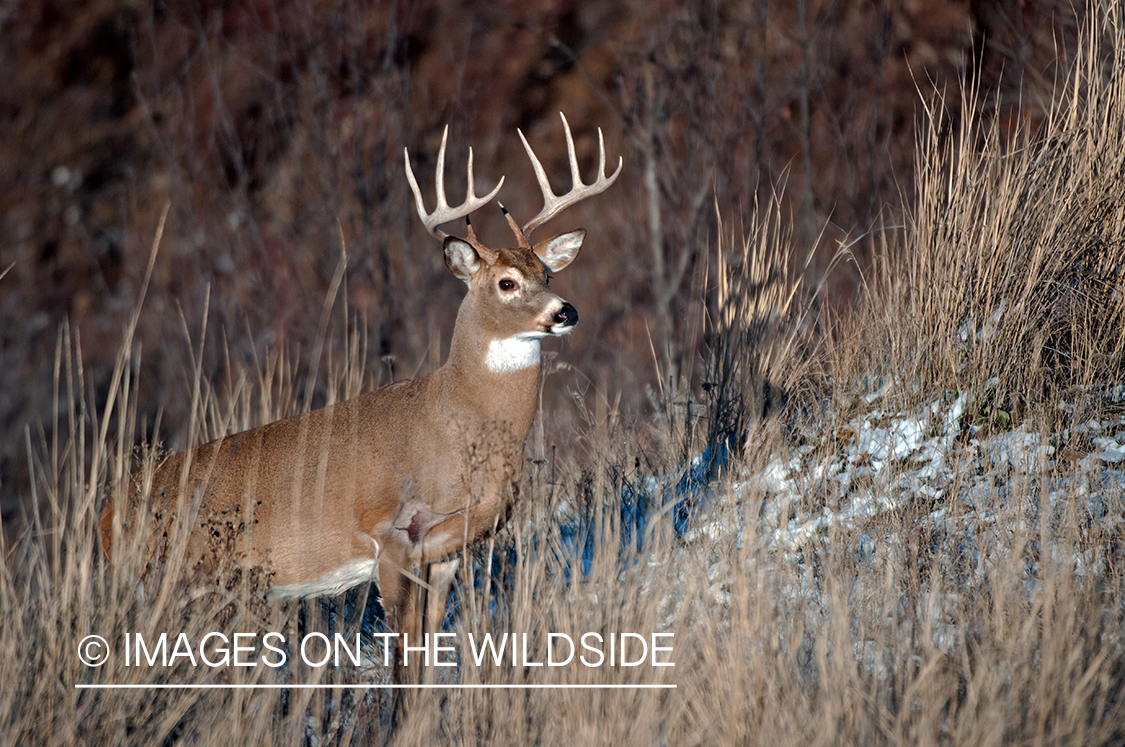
{"x":267,"y":125}
{"x":999,"y":627}
{"x":1015,"y":246}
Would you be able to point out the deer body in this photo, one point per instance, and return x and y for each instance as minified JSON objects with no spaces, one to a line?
{"x":346,"y":481}
{"x":374,"y":487}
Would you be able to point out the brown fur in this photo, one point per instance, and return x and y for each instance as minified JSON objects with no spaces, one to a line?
{"x":412,"y":472}
{"x":399,"y":477}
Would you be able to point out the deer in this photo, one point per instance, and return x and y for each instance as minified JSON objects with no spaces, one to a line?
{"x":374,"y":488}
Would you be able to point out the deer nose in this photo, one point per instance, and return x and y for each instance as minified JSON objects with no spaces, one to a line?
{"x":567,"y":316}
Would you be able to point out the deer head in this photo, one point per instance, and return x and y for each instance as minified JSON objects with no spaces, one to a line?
{"x":509,"y":302}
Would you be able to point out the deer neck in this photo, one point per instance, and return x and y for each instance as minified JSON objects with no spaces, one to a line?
{"x":495,"y":379}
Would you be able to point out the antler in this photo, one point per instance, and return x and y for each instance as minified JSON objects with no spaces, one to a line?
{"x":443,"y":213}
{"x":554,"y":204}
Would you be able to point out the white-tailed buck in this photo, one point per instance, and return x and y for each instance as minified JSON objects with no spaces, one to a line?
{"x":377,"y":486}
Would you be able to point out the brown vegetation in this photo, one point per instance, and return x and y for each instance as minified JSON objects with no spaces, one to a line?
{"x":266,"y":125}
{"x":831,"y":589}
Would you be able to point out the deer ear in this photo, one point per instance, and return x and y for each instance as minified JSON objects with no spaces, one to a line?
{"x":560,"y":251}
{"x":461,"y":258}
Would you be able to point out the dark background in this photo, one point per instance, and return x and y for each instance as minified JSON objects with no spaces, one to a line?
{"x":270,"y":126}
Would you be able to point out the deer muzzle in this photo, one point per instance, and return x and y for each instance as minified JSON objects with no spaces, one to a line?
{"x":565,"y":318}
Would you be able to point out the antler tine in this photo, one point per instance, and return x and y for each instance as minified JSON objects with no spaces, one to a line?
{"x":444,"y":213}
{"x":554,"y":204}
{"x":439,"y":180}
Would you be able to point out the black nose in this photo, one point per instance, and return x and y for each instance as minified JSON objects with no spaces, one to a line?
{"x":567,"y":315}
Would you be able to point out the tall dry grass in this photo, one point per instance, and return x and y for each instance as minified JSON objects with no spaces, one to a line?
{"x":1014,"y":251}
{"x":889,"y":630}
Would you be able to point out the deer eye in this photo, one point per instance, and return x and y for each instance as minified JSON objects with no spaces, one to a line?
{"x":507,"y":285}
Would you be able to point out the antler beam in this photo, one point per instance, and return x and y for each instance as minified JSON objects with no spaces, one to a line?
{"x":443,"y":213}
{"x":554,"y":204}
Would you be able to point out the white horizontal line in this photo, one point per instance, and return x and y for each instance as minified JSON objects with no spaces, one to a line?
{"x":80,"y":686}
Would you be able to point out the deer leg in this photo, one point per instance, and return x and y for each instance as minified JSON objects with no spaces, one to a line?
{"x":396,"y":595}
{"x":396,"y":592}
{"x":415,"y":606}
{"x":441,"y":577}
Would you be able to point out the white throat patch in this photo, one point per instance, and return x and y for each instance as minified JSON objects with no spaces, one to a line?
{"x":514,"y":353}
